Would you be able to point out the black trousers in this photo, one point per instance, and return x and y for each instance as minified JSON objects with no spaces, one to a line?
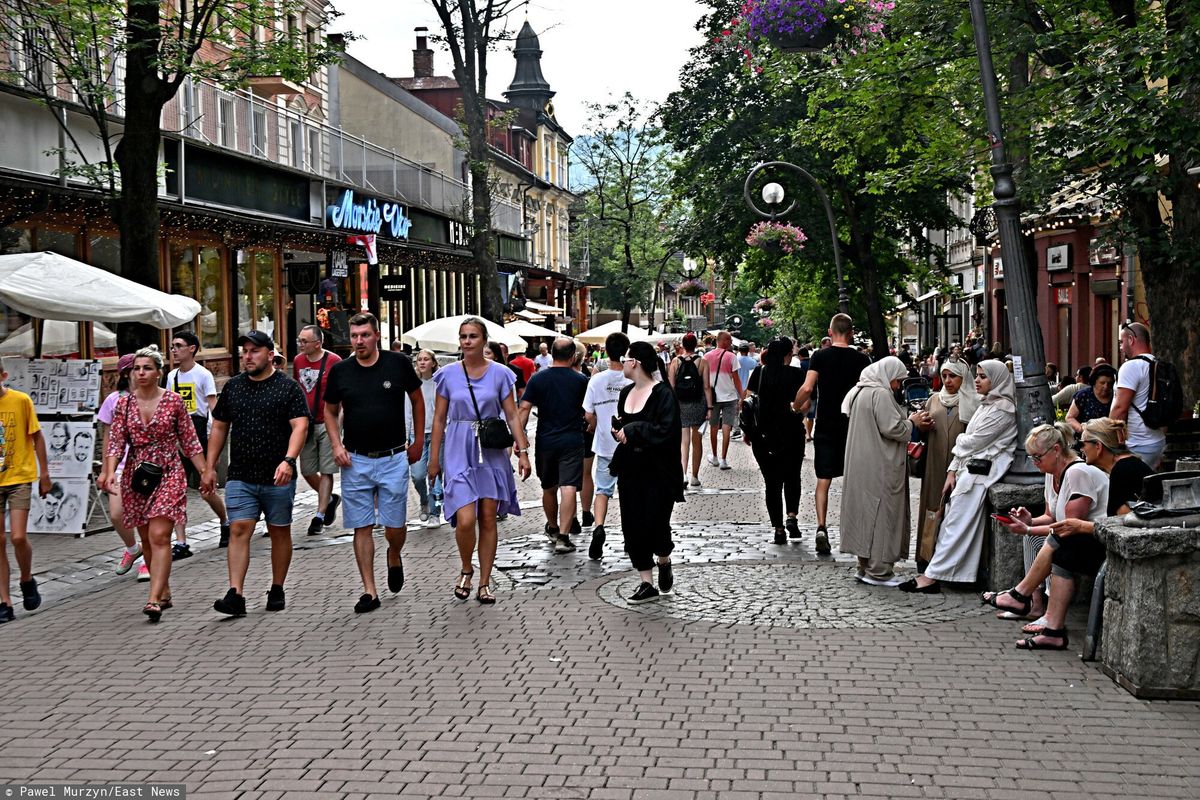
{"x":646,"y":508}
{"x":781,"y":475}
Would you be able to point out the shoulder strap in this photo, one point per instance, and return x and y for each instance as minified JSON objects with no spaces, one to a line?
{"x":317,"y":395}
{"x":175,"y":382}
{"x":471,"y":389}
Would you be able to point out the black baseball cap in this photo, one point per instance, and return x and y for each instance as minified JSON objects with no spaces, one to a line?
{"x":256,"y":338}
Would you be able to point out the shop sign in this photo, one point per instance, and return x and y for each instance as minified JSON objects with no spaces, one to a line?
{"x":393,"y":287}
{"x":997,"y":268}
{"x":339,"y":265}
{"x":366,"y":214}
{"x":1063,"y":295}
{"x":1058,"y":258}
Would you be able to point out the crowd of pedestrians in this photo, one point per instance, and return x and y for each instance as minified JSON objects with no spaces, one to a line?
{"x":626,"y":422}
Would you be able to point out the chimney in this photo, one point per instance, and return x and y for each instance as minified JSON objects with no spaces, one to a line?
{"x":422,"y":55}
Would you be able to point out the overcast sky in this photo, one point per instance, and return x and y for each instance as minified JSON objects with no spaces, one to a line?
{"x":592,"y":48}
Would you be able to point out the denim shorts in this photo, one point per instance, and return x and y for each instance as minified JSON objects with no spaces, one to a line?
{"x":606,"y":483}
{"x":371,"y":482}
{"x":252,"y":500}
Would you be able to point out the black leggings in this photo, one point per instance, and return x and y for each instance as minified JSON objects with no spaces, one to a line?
{"x":781,"y":473}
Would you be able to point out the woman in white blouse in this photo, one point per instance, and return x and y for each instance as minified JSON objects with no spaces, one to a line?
{"x":987,"y":446}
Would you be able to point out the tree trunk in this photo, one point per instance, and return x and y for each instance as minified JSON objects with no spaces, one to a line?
{"x":137,"y":159}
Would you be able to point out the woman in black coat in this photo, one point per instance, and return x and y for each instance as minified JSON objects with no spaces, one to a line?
{"x":779,"y":441}
{"x":646,"y":462}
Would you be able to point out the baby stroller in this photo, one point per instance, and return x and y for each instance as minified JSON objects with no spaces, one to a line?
{"x":916,"y":391}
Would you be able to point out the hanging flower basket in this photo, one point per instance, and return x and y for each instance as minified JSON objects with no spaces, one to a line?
{"x":805,"y":26}
{"x":801,"y":41}
{"x":690,"y":288}
{"x":777,"y":236}
{"x":707,"y":299}
{"x":764,"y":307}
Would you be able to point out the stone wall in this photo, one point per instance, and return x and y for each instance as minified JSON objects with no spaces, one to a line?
{"x":1151,"y":638}
{"x":1002,"y":564}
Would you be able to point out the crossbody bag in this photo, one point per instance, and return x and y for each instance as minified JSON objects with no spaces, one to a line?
{"x":491,"y":433}
{"x":147,"y":475}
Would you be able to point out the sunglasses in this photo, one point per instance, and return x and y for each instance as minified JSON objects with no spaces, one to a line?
{"x":1037,"y":457}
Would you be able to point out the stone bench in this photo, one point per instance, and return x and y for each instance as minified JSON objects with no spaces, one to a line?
{"x":1151,"y":635}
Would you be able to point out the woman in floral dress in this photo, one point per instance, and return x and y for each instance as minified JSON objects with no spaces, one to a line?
{"x":154,"y":424}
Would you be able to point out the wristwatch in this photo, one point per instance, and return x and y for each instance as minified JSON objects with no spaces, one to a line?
{"x":290,"y":461}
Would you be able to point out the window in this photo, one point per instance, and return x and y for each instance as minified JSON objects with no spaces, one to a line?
{"x":259,"y":130}
{"x":226,"y":122}
{"x":189,"y":107}
{"x":297,"y":143}
{"x":316,"y":162}
{"x":196,"y":273}
{"x":104,"y":251}
{"x":256,"y":291}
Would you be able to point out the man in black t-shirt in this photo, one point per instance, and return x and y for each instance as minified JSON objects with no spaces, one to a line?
{"x":832,"y":371}
{"x":364,"y":418}
{"x":265,"y":416}
{"x":557,"y":392}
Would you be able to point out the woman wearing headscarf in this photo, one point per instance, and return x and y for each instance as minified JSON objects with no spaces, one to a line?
{"x":949,"y":410}
{"x":875,"y":490}
{"x":980,"y":457}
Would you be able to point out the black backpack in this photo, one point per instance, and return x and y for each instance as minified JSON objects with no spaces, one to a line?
{"x":688,"y":386}
{"x":1165,"y":403}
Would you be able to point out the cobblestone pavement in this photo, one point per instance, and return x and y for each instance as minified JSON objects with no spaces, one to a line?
{"x":771,"y":674}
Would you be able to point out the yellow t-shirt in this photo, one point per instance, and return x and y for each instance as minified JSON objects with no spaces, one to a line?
{"x":20,"y":423}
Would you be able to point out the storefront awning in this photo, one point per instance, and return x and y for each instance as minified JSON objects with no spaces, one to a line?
{"x":542,"y":308}
{"x":529,"y":316}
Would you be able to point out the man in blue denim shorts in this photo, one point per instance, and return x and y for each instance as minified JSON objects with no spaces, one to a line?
{"x":265,"y":416}
{"x":364,"y":419}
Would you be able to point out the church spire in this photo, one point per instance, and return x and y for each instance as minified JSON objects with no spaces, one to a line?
{"x":529,"y":88}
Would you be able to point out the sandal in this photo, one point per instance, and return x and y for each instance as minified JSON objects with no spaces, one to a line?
{"x":166,"y":603}
{"x":1032,"y":644}
{"x":462,"y":587}
{"x":1034,"y":629}
{"x":484,"y":595}
{"x":153,"y":611}
{"x":1025,"y":600}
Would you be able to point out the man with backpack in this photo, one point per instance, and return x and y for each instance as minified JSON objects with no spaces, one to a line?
{"x":688,"y":375}
{"x":1150,"y":389}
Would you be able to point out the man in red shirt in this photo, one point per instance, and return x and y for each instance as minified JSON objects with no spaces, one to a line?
{"x":525,"y":364}
{"x":311,"y":370}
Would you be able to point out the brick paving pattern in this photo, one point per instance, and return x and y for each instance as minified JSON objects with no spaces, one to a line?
{"x":560,"y":691}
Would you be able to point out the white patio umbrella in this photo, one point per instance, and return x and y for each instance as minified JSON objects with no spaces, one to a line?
{"x":59,"y":338}
{"x":598,"y":334}
{"x":442,"y":335}
{"x":53,"y":287}
{"x":528,"y":330}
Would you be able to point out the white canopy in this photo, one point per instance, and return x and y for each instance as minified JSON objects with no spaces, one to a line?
{"x":442,"y":335}
{"x":598,"y":334}
{"x":528,"y":330}
{"x":59,"y":338}
{"x":542,"y":308}
{"x":51,"y":286}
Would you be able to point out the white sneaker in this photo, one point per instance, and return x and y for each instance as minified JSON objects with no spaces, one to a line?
{"x":143,"y":573}
{"x":892,"y":581}
{"x":713,"y":461}
{"x":694,"y":482}
{"x":724,"y":464}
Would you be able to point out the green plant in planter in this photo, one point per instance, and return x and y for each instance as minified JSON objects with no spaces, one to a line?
{"x":777,"y":237}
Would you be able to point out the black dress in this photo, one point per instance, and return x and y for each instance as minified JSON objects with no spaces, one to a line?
{"x":649,"y":474}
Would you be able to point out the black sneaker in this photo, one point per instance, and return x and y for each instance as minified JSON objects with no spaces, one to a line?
{"x":224,"y":540}
{"x":780,"y":536}
{"x":6,"y":613}
{"x":31,"y":598}
{"x":563,"y":544}
{"x":366,"y":603}
{"x":596,"y":548}
{"x":823,"y":548}
{"x":314,"y":527}
{"x":793,"y":528}
{"x":396,"y":577}
{"x":331,"y":508}
{"x":180,"y":551}
{"x":588,"y":519}
{"x":666,"y":579}
{"x":551,"y":532}
{"x":275,"y":599}
{"x":576,"y":528}
{"x":644,"y":594}
{"x":232,"y":604}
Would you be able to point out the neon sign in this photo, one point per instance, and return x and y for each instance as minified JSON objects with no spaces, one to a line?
{"x":368,"y":215}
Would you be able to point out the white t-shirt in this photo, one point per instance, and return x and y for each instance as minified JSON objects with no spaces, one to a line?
{"x":1135,"y":375}
{"x":195,"y":387}
{"x":542,"y":361}
{"x":721,"y":366}
{"x":603,"y":390}
{"x":429,"y":392}
{"x":1080,"y":479}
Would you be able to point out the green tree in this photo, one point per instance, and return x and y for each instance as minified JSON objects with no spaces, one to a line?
{"x":472,"y":27}
{"x":626,"y":170}
{"x":72,"y":47}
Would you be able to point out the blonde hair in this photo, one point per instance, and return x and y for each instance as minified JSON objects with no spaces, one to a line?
{"x":1046,"y":437}
{"x":1110,"y":433}
{"x":580,"y":352}
{"x":151,"y":352}
{"x":432,"y":357}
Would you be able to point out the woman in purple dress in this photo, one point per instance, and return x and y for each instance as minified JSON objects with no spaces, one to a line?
{"x":477,"y":481}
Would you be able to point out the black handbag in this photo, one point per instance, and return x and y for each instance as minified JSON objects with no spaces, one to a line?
{"x":979,"y":466}
{"x":146,"y":478}
{"x":493,"y":432}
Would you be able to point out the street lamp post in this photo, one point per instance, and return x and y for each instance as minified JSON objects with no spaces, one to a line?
{"x":1034,"y":404}
{"x":773,"y":195}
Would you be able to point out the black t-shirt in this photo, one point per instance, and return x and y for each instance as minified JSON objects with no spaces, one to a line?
{"x":776,"y":393}
{"x":838,"y":369}
{"x":557,"y":393}
{"x":259,"y":414}
{"x":372,"y":400}
{"x":1125,"y":482}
